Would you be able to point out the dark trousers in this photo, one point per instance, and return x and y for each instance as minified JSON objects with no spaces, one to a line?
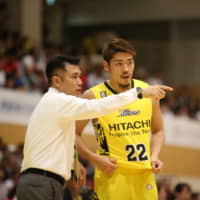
{"x":33,"y":186}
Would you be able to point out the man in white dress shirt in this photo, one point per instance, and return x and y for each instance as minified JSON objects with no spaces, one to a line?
{"x":49,"y":141}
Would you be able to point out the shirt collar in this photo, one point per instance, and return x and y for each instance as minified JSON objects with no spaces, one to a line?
{"x":52,"y":89}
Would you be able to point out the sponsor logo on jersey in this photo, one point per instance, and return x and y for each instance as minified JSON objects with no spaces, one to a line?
{"x":129,"y":125}
{"x":128,"y":112}
{"x":103,"y":94}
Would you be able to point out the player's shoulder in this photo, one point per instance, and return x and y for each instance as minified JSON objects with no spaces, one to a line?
{"x":140,"y":83}
{"x":88,"y":94}
{"x":98,"y":86}
{"x":93,"y":91}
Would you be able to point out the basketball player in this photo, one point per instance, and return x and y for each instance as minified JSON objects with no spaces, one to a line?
{"x":130,"y":139}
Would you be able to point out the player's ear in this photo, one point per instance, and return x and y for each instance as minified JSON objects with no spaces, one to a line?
{"x":106,"y":66}
{"x":56,"y":80}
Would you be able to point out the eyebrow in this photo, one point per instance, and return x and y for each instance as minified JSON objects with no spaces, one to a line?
{"x":76,"y":73}
{"x":119,"y":60}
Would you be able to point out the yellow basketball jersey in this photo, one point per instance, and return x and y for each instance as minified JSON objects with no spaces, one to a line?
{"x":125,"y":134}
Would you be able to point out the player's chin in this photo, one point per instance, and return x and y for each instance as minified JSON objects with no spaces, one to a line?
{"x":125,"y":84}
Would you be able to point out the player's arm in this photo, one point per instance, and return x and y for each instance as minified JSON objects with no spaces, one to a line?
{"x":157,"y":139}
{"x":105,"y":164}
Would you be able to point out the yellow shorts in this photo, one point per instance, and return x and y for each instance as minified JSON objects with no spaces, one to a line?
{"x":121,"y":186}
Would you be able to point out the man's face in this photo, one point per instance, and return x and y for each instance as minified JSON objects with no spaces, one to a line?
{"x":121,"y":69}
{"x":70,"y":81}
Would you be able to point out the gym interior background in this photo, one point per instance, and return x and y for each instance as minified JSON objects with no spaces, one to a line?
{"x":166,"y":35}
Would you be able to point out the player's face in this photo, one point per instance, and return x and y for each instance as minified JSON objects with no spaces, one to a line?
{"x":70,"y":81}
{"x":121,"y":69}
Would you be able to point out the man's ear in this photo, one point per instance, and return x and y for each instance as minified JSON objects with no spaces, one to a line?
{"x":56,"y":80}
{"x":106,"y":66}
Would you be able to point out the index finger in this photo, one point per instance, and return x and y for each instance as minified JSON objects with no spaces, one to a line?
{"x":167,"y":88}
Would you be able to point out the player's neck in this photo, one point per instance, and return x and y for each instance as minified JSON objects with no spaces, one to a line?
{"x":118,"y":87}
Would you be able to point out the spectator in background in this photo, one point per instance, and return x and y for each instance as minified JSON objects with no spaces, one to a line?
{"x":2,"y":78}
{"x":164,"y":190}
{"x":193,"y":107}
{"x":155,"y":79}
{"x":14,"y":81}
{"x":141,"y":73}
{"x":84,"y":78}
{"x":13,"y":41}
{"x":9,"y":172}
{"x":9,"y":62}
{"x":182,"y":191}
{"x":31,"y":77}
{"x":3,"y":187}
{"x":10,"y":159}
{"x":195,"y":196}
{"x":96,"y":76}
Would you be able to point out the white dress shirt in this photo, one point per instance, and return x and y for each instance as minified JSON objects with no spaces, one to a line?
{"x":50,"y":137}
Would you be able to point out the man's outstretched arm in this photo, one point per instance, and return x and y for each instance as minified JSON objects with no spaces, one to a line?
{"x":93,"y":108}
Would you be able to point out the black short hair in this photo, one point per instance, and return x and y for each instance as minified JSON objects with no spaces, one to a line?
{"x":180,"y":187}
{"x":58,"y":63}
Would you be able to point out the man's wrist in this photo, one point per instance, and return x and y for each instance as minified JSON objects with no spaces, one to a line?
{"x":154,"y":157}
{"x":92,"y":158}
{"x":139,"y":92}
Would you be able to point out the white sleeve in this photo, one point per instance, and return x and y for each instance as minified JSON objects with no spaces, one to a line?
{"x":79,"y":109}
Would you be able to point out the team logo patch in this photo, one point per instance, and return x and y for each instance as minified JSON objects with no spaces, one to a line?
{"x":149,"y":187}
{"x":128,"y":112}
{"x":103,"y":94}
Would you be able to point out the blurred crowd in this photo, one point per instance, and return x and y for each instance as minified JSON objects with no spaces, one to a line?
{"x":21,"y":66}
{"x":11,"y":157}
{"x":181,"y":191}
{"x":183,"y":102}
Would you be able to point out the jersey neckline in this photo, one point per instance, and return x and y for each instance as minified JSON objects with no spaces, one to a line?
{"x":112,"y":90}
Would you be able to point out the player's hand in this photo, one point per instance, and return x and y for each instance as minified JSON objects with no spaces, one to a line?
{"x":156,"y":165}
{"x":105,"y":164}
{"x":82,"y":174}
{"x":156,"y":91}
